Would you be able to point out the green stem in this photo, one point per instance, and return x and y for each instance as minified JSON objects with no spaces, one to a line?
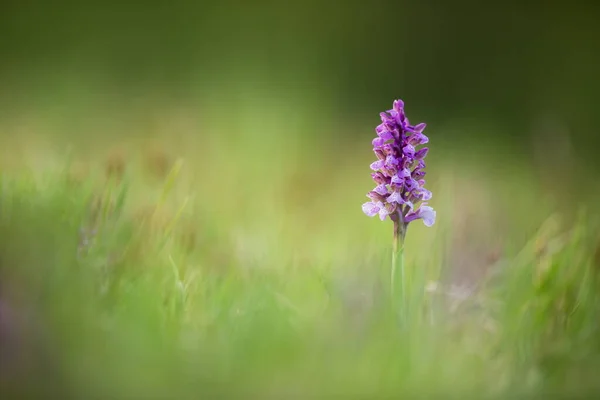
{"x":398,"y":257}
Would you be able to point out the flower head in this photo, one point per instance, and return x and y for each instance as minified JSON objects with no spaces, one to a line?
{"x":399,"y":169}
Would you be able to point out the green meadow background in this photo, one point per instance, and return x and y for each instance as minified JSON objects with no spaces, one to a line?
{"x":180,"y":192}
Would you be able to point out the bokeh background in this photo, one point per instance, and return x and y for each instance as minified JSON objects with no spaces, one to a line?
{"x":271,"y":106}
{"x":503,"y":65}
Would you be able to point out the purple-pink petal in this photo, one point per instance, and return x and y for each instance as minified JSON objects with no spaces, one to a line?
{"x":417,"y":139}
{"x":409,"y":151}
{"x":418,"y":174}
{"x":377,"y":165}
{"x":411,"y":184}
{"x":378,"y":142}
{"x":422,"y":194}
{"x":395,"y":197}
{"x":388,"y":149}
{"x":420,"y":127}
{"x":391,"y":160}
{"x":376,"y":197}
{"x":398,"y":105}
{"x":385,"y":118}
{"x":381,"y":189}
{"x":419,"y":155}
{"x":386,"y":135}
{"x":426,"y":194}
{"x":379,"y":177}
{"x":397,"y":180}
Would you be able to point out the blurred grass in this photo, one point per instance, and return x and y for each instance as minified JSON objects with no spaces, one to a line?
{"x":184,"y":251}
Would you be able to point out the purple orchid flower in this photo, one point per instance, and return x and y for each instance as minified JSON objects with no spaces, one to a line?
{"x":399,"y":170}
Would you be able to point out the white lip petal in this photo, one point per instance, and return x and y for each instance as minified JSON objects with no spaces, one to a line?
{"x":428,"y":215}
{"x":383,"y":212}
{"x":370,"y":209}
